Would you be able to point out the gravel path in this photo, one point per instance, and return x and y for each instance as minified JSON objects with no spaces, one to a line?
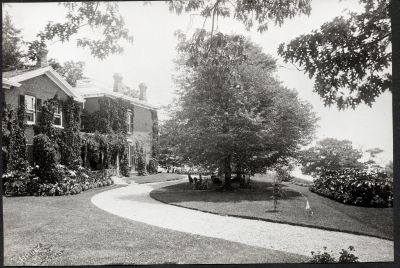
{"x":133,"y":202}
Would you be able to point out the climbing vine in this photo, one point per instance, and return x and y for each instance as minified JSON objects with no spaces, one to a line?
{"x":99,"y":151}
{"x":110,"y":118}
{"x":66,"y":140}
{"x":155,"y":150}
{"x":14,"y":141}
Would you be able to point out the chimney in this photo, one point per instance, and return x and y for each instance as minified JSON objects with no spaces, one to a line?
{"x":117,"y":82}
{"x":142,"y":91}
{"x":42,"y":58}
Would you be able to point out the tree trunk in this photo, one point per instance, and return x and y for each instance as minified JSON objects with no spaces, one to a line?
{"x":228,"y":171}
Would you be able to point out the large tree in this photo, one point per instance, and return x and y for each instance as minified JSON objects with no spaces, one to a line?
{"x":349,"y":57}
{"x":231,"y":111}
{"x":330,"y":154}
{"x":12,"y":54}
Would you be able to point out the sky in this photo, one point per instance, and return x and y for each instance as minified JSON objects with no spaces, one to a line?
{"x":149,"y":59}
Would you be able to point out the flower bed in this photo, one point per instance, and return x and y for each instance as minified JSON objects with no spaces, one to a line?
{"x":360,"y":188}
{"x":21,"y":183}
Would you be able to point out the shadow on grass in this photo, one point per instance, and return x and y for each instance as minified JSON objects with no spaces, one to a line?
{"x":259,"y":191}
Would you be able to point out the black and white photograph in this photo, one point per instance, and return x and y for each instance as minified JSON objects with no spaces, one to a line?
{"x":197,"y":132}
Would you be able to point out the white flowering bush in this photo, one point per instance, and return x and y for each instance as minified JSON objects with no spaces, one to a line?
{"x":18,"y":183}
{"x":360,"y":188}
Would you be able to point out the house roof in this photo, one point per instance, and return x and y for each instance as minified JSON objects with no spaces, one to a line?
{"x":14,"y":78}
{"x":89,"y":88}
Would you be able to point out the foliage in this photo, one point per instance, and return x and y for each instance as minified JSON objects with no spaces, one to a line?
{"x":168,"y":156}
{"x":155,"y":137}
{"x":389,"y":169}
{"x":101,"y":17}
{"x":72,"y":71}
{"x":124,"y":165}
{"x":140,"y":159}
{"x":360,"y":188}
{"x":277,"y":192}
{"x":283,"y":172}
{"x":347,"y":256}
{"x":110,"y":118}
{"x":14,"y":141}
{"x":11,"y":56}
{"x":330,"y":154}
{"x":99,"y":151}
{"x":46,"y":158}
{"x":325,"y":257}
{"x":248,"y":12}
{"x":231,"y":111}
{"x":152,"y":166}
{"x":349,"y":57}
{"x":46,"y":120}
{"x":17,"y":183}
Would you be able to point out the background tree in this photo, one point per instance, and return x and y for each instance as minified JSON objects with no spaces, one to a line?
{"x":72,"y":71}
{"x":167,"y":157}
{"x":372,"y":161}
{"x":330,"y":154}
{"x":232,"y":114}
{"x":349,"y":57}
{"x":12,"y":53}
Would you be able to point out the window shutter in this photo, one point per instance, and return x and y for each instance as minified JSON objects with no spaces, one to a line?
{"x":38,"y":105}
{"x":21,"y":100}
{"x":38,"y":109}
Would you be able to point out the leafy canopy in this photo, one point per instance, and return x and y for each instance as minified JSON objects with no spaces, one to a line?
{"x":230,"y":105}
{"x":349,"y":57}
{"x":99,"y":16}
{"x":249,"y":12}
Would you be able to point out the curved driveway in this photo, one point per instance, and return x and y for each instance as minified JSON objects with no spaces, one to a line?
{"x":133,"y":202}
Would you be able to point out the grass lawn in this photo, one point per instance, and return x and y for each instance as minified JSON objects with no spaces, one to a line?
{"x":256,"y":202}
{"x":160,"y":177}
{"x":70,"y":230}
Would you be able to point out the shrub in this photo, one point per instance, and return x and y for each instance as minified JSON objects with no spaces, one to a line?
{"x":15,"y":183}
{"x":45,"y":152}
{"x":283,"y":173}
{"x":361,"y":188}
{"x":124,"y":166}
{"x":348,"y":256}
{"x":152,"y":166}
{"x":325,"y":257}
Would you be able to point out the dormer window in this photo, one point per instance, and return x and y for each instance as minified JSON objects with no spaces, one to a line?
{"x":30,"y":108}
{"x":57,"y":117}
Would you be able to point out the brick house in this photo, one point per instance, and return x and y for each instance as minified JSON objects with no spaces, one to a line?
{"x":31,"y":88}
{"x":140,"y":121}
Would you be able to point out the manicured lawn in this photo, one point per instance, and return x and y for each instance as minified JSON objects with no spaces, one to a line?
{"x":160,"y":177}
{"x":70,"y":230}
{"x":257,"y":202}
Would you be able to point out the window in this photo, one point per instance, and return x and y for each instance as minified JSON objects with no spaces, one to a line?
{"x":131,"y":155}
{"x":130,"y":121}
{"x":30,"y":107}
{"x":57,"y":117}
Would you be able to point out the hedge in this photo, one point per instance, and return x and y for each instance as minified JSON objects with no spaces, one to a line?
{"x":354,"y":187}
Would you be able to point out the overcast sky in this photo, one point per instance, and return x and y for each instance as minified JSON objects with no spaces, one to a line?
{"x":150,"y":60}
